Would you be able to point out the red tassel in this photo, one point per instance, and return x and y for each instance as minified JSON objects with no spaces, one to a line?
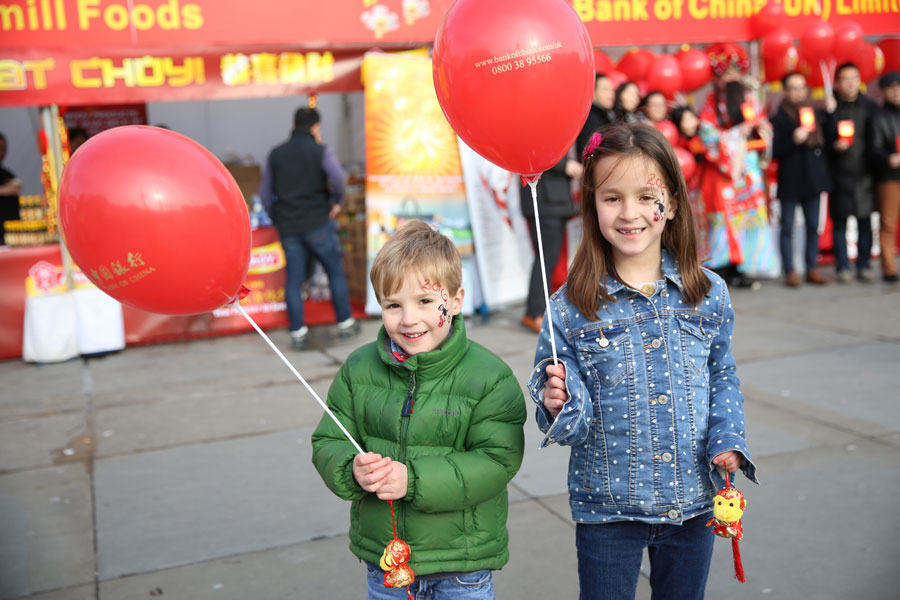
{"x":738,"y":565}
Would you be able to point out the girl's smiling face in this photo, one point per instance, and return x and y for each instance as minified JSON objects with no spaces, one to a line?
{"x":633,"y":204}
{"x":417,"y":316}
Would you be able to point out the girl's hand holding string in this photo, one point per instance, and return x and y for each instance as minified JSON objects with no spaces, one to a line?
{"x":555,"y":394}
{"x":729,"y":461}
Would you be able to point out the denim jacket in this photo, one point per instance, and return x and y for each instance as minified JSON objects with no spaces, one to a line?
{"x":652,"y":398}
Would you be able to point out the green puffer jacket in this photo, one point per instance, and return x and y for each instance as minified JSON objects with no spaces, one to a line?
{"x":462,"y":443}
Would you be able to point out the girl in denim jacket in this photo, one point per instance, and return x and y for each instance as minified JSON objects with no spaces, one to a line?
{"x":644,"y":389}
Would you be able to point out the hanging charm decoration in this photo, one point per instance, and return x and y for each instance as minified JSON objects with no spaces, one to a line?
{"x":394,"y":561}
{"x":728,"y":508}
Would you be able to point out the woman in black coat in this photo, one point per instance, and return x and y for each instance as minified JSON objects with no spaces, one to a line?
{"x":798,"y":145}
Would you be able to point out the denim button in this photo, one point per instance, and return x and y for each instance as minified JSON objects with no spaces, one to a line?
{"x":667,"y":456}
{"x":673,"y":514}
{"x":663,"y":399}
{"x":656,"y":343}
{"x":648,"y":289}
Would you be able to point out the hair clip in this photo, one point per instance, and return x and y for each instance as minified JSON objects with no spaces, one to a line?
{"x":596,"y":139}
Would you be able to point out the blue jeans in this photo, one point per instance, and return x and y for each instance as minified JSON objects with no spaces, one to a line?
{"x":609,"y":559}
{"x":477,"y":585}
{"x":324,"y":245}
{"x":863,"y":244}
{"x":810,"y":207}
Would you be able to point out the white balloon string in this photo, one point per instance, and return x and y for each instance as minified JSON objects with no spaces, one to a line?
{"x":826,"y":78}
{"x":240,"y":308}
{"x":540,"y":244}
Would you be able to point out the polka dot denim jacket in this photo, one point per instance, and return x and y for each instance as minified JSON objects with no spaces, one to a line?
{"x":653,"y":398}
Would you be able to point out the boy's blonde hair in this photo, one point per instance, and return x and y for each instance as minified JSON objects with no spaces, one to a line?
{"x":416,"y":247}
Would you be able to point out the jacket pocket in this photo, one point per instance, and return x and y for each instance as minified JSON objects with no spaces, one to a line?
{"x":696,"y":339}
{"x":607,"y":353}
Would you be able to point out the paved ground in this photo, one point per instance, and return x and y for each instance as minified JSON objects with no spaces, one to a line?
{"x":183,"y":470}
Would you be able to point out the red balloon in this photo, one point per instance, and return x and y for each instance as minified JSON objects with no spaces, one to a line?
{"x":669,"y":131}
{"x":616,"y":78}
{"x":870,"y":62}
{"x":848,"y":40}
{"x":890,"y":47}
{"x":155,"y":220}
{"x":636,"y":63}
{"x":779,"y":67}
{"x":817,"y":41}
{"x":665,"y":75}
{"x":602,"y":62}
{"x":686,"y":161}
{"x":776,"y":43}
{"x":695,"y":68}
{"x":769,"y":18}
{"x":514,"y":81}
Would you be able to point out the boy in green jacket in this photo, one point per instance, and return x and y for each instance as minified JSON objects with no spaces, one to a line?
{"x":441,"y":418}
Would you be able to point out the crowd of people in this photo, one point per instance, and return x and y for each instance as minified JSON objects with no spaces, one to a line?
{"x":843,"y":149}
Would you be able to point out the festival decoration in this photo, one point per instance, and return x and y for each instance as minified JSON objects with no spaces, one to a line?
{"x":669,"y":131}
{"x":728,"y":508}
{"x":514,"y":81}
{"x":890,"y":47}
{"x":695,"y":69}
{"x":393,"y":561}
{"x":817,"y":42}
{"x":636,"y":63}
{"x":602,"y":62}
{"x":775,"y":44}
{"x":686,"y":161}
{"x":777,"y":68}
{"x":126,"y":200}
{"x":848,"y":40}
{"x":870,"y":62}
{"x":665,"y":76}
{"x":768,"y":18}
{"x":812,"y":72}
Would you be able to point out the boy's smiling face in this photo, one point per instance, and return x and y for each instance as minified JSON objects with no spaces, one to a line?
{"x":417,"y":316}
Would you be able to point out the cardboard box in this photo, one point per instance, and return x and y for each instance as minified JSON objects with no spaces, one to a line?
{"x":248,"y":178}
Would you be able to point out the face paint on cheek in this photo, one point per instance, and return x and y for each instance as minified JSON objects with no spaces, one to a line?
{"x":660,"y":210}
{"x":445,"y":312}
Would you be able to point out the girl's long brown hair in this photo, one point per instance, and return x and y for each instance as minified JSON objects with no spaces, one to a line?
{"x":594,"y":259}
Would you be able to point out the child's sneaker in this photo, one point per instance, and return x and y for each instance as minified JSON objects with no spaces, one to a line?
{"x":348,"y":328}
{"x":300,"y":338}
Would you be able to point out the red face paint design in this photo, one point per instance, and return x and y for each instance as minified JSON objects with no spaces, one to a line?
{"x":442,"y":308}
{"x":660,"y":205}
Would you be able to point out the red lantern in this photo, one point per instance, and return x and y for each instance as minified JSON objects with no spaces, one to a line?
{"x":635,"y":63}
{"x":870,"y":62}
{"x":515,"y":82}
{"x":602,"y":62}
{"x":669,"y":131}
{"x":155,"y":220}
{"x":890,"y":47}
{"x":848,"y":40}
{"x":776,"y":43}
{"x":695,"y":69}
{"x":686,"y":161}
{"x":777,"y":68}
{"x":665,"y":75}
{"x":817,"y":41}
{"x":769,"y":18}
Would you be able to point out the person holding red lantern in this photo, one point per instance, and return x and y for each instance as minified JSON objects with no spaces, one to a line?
{"x":740,"y":239}
{"x":847,"y":132}
{"x":798,"y":145}
{"x":601,"y":112}
{"x":885,"y":150}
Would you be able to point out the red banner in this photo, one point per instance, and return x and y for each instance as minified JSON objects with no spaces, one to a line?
{"x":132,"y":75}
{"x":184,"y":24}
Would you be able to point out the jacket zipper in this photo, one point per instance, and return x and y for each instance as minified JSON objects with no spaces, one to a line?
{"x":404,"y":425}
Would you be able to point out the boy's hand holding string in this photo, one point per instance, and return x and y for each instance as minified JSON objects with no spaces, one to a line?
{"x":387,"y":479}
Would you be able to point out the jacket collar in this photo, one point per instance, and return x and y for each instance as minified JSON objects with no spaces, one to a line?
{"x":670,"y":269}
{"x":432,"y":364}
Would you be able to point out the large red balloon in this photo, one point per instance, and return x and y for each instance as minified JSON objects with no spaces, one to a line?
{"x":616,"y":78}
{"x":686,"y":161}
{"x":812,"y":71}
{"x":635,"y":63}
{"x":777,"y":68}
{"x":695,"y":68}
{"x":848,"y":40}
{"x":890,"y":47}
{"x":870,"y":62}
{"x":665,"y":75}
{"x":776,"y":43}
{"x":817,"y":41}
{"x":155,"y":220}
{"x":769,"y":18}
{"x":514,"y":80}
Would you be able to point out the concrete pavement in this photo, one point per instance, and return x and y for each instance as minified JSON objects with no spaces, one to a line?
{"x":183,"y":470}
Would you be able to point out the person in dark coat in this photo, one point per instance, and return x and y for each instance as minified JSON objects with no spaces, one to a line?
{"x":601,"y":112}
{"x":555,"y":208}
{"x":885,"y":152}
{"x":853,"y":191}
{"x":802,"y":174}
